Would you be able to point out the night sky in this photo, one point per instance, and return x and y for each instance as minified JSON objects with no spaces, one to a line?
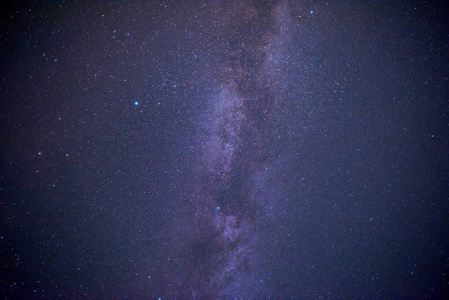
{"x":224,"y":149}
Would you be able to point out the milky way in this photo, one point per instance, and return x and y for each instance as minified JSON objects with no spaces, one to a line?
{"x":218,"y":248}
{"x":224,"y":150}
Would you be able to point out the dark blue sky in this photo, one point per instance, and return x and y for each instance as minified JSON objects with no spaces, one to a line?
{"x":204,"y":150}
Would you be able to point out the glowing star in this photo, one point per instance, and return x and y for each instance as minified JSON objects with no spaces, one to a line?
{"x":136,"y":103}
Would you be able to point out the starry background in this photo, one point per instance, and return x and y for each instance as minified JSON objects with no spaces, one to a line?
{"x":291,"y":149}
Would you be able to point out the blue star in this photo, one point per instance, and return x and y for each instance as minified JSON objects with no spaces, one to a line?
{"x":136,"y":103}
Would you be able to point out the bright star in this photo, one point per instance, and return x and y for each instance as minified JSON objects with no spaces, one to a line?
{"x":136,"y":103}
